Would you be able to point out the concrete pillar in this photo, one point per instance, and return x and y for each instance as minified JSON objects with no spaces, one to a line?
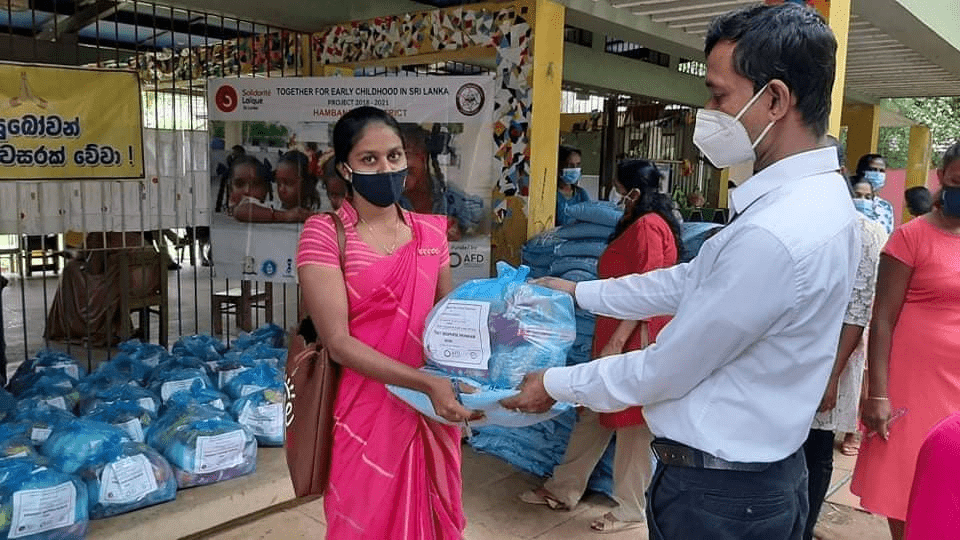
{"x":863,"y":130}
{"x":837,"y":13}
{"x":919,"y":158}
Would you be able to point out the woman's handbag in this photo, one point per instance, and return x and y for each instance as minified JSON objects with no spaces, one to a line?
{"x":631,"y":416}
{"x":311,"y":386}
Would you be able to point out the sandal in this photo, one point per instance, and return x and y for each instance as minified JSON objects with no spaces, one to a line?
{"x":542,"y":496}
{"x":850,"y":445}
{"x":607,"y":523}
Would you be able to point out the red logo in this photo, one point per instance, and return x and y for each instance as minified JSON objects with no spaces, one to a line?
{"x":226,"y":98}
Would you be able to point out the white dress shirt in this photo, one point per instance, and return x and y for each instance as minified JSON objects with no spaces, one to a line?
{"x":741,"y":368}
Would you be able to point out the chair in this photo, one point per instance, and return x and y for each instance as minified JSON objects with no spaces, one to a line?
{"x":40,"y":247}
{"x":142,"y":262}
{"x":241,"y":300}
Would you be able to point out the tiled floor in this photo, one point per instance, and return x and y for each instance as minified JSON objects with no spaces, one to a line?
{"x":491,"y":486}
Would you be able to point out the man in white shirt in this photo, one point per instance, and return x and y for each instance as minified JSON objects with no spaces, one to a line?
{"x":732,"y":383}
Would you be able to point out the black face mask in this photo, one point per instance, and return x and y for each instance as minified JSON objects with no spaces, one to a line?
{"x":381,"y":189}
{"x":950,"y":201}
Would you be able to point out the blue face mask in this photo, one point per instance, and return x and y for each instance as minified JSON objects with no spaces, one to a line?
{"x":570,"y":175}
{"x":381,"y":189}
{"x":865,"y":207}
{"x":950,"y":201}
{"x":877,"y":179}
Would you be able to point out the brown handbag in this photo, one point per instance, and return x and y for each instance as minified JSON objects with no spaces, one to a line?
{"x":311,"y":386}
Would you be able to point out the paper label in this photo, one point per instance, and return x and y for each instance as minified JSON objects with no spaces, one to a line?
{"x":40,"y":510}
{"x":170,"y":388}
{"x":57,"y":402}
{"x":217,"y":404}
{"x":458,"y":336}
{"x":71,"y":370}
{"x":223,"y":377}
{"x":212,"y":364}
{"x":151,"y":361}
{"x":265,"y":420}
{"x":127,"y":480}
{"x":248,"y":389}
{"x":133,"y":428}
{"x":22,"y":453}
{"x":147,"y":404}
{"x":218,"y":452}
{"x":40,"y":434}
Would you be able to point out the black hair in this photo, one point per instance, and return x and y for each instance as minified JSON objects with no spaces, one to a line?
{"x":309,"y":198}
{"x":261,"y":170}
{"x":919,"y":200}
{"x":864,"y":163}
{"x":564,"y":152}
{"x":349,"y":128}
{"x":788,"y":42}
{"x":644,"y":176}
{"x":950,"y":155}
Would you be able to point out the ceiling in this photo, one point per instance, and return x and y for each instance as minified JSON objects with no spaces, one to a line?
{"x":891,"y":54}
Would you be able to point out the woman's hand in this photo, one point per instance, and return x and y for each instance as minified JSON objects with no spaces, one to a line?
{"x":445,"y":402}
{"x":611,"y":348}
{"x":876,"y":416}
{"x":829,"y":399}
{"x":563,"y":285}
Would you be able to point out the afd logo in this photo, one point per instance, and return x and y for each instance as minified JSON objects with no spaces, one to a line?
{"x":226,"y":98}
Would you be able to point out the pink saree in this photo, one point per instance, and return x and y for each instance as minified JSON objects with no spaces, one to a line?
{"x":395,"y":473}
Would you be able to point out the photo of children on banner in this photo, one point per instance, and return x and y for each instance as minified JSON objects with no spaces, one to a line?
{"x":253,"y":198}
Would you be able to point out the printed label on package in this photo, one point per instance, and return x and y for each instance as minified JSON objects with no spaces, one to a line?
{"x":69,"y":369}
{"x":248,"y":389}
{"x":127,"y":480}
{"x":170,"y":388}
{"x":57,"y":402}
{"x":218,"y":452}
{"x":134,"y":428}
{"x":265,"y":420}
{"x":40,"y":434}
{"x":458,"y":335}
{"x":148,"y":404}
{"x":40,"y":510}
{"x":223,"y":377}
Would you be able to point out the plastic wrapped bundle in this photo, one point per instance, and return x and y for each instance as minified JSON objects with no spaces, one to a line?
{"x":149,"y":354}
{"x":54,"y":390}
{"x":39,"y":503}
{"x":261,"y":377}
{"x":578,"y":275}
{"x":15,"y":441}
{"x":8,"y":404}
{"x":126,"y":477}
{"x":72,"y":444}
{"x":586,"y":322}
{"x":43,"y":419}
{"x":203,"y":445}
{"x":45,"y":362}
{"x":134,"y":369}
{"x":262,"y":413}
{"x":199,"y":395}
{"x":105,"y":376}
{"x":536,"y":449}
{"x":126,"y":415}
{"x":166,"y":382}
{"x":202,"y":346}
{"x":600,"y":212}
{"x":123,"y":393}
{"x":466,"y":209}
{"x":539,"y":251}
{"x":585,"y":230}
{"x":260,"y":353}
{"x":269,"y":334}
{"x":497,"y":330}
{"x":50,"y":379}
{"x":693,"y":235}
{"x":582,"y":248}
{"x":223,"y":371}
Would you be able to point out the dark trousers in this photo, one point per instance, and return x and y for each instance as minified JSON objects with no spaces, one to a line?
{"x":818,"y":450}
{"x":686,"y":503}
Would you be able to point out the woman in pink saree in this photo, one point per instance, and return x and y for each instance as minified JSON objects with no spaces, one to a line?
{"x":394,"y":473}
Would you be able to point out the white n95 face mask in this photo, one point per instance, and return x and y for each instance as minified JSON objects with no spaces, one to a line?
{"x":723,"y":139}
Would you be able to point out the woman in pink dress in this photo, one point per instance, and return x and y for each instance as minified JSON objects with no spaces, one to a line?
{"x":394,"y":473}
{"x":914,"y":373}
{"x":934,"y":510}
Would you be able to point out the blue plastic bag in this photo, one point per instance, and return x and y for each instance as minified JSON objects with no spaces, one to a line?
{"x":261,"y":377}
{"x":15,"y":441}
{"x":233,"y":364}
{"x":74,"y":443}
{"x":262,"y":413}
{"x":199,"y":395}
{"x":202,"y":346}
{"x":8,"y":404}
{"x":166,"y":382}
{"x":105,"y":376}
{"x":148,"y":354}
{"x":581,"y":230}
{"x":578,"y":275}
{"x":599,"y":212}
{"x":692,"y":236}
{"x":123,"y":393}
{"x":134,"y":369}
{"x":47,"y":362}
{"x":39,"y":503}
{"x":269,"y":334}
{"x":497,"y":330}
{"x":53,"y":389}
{"x":126,"y":415}
{"x":582,"y":248}
{"x":43,"y":419}
{"x":259,"y":353}
{"x":203,"y":445}
{"x":126,"y":477}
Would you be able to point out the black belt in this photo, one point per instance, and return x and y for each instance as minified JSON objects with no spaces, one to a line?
{"x":673,"y":453}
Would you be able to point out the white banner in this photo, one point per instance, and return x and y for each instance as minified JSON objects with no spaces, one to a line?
{"x":446,"y":125}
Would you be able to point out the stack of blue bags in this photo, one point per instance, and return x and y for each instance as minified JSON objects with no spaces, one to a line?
{"x":571,"y":252}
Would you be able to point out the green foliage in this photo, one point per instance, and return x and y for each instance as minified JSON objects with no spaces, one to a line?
{"x":940,"y":114}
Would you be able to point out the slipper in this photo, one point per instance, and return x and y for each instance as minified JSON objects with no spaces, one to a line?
{"x":606,"y":524}
{"x":850,"y":446}
{"x":542,"y":496}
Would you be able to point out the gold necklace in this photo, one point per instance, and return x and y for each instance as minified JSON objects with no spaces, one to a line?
{"x":373,"y":236}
